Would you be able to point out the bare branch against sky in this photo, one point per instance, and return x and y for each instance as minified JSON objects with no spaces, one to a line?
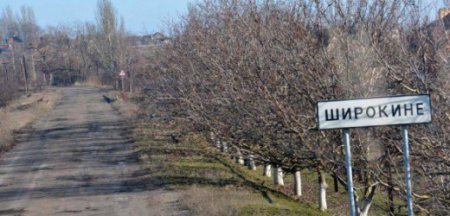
{"x":140,"y":16}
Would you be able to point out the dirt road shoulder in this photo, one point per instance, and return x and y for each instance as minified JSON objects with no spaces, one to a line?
{"x":23,"y":111}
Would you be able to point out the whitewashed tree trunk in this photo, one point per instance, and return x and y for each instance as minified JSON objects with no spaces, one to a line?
{"x":224,"y":147}
{"x":442,"y":178}
{"x":251,"y":162}
{"x":363,"y":208}
{"x":239,"y":157}
{"x":298,"y":183}
{"x":278,"y":176}
{"x":366,"y":206}
{"x":212,"y":136}
{"x":322,"y":191}
{"x":51,"y":79}
{"x":218,"y":144}
{"x":267,"y":170}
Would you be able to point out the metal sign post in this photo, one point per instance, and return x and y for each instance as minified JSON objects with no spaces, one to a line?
{"x":371,"y":112}
{"x":407,"y":170}
{"x":348,"y":164}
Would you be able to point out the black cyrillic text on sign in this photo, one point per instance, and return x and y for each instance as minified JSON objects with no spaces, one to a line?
{"x":374,"y":112}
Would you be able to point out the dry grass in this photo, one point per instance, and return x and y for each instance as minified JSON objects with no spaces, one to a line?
{"x":23,"y":111}
{"x":177,"y":157}
{"x":205,"y":201}
{"x":123,"y":104}
{"x":208,"y":182}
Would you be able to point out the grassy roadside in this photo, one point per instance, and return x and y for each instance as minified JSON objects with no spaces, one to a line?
{"x":23,"y":111}
{"x":210,"y":183}
{"x":213,"y":184}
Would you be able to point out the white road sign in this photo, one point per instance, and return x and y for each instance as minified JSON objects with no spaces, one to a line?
{"x":395,"y":110}
{"x":122,"y":73}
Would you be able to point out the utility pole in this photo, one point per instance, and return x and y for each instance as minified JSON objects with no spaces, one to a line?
{"x":32,"y":64}
{"x":13,"y":60}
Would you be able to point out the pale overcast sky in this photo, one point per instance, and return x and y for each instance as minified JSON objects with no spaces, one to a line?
{"x":141,"y":16}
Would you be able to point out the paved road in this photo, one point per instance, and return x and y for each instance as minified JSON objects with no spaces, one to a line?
{"x":78,"y":161}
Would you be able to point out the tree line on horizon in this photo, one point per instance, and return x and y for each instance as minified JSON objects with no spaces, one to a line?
{"x":249,"y":74}
{"x":33,"y":57}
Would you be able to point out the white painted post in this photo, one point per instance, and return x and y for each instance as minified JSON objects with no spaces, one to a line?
{"x":278,"y":176}
{"x":267,"y":170}
{"x":251,"y":162}
{"x":348,"y":163}
{"x":298,"y":182}
{"x":224,"y":147}
{"x":322,"y":191}
{"x":239,"y":158}
{"x":218,"y":144}
{"x":212,"y":136}
{"x":407,"y":170}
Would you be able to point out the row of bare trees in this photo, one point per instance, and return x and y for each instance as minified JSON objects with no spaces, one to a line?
{"x":32,"y":57}
{"x":252,"y":71}
{"x":89,"y":52}
{"x":16,"y":70}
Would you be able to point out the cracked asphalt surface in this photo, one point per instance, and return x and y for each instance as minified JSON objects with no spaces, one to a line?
{"x":77,"y":160}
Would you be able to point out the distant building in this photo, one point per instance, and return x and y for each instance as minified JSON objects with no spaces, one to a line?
{"x":9,"y":44}
{"x":4,"y":48}
{"x":155,"y":39}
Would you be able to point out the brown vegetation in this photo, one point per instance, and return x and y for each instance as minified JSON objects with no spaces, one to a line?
{"x":250,"y":72}
{"x":208,"y":182}
{"x":22,"y":111}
